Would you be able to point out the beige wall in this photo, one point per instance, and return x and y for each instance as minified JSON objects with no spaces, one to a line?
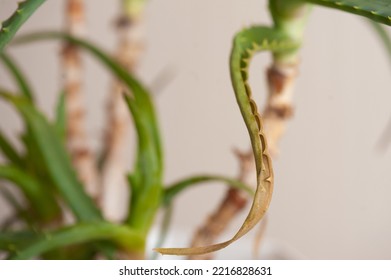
{"x":332,"y":195}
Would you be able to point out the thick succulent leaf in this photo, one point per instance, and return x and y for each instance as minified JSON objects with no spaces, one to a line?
{"x":123,"y":236}
{"x":146,"y":179}
{"x":42,"y":201}
{"x":56,"y":160}
{"x":19,"y":212}
{"x":173,"y":190}
{"x":9,"y":27}
{"x":18,"y":76}
{"x":149,"y":163}
{"x":377,"y":10}
{"x":11,"y":241}
{"x":138,"y":91}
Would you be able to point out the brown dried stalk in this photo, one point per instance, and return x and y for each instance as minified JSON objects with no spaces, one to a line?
{"x":128,"y":52}
{"x":77,"y":144}
{"x":278,"y":110}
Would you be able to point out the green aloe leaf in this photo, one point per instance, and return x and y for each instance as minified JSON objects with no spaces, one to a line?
{"x":19,"y":212}
{"x":38,"y":197}
{"x":60,"y":122}
{"x":55,"y":159}
{"x":123,"y":236}
{"x":147,"y":176}
{"x":146,"y":179}
{"x":20,"y":80}
{"x":9,"y":27}
{"x":11,"y":241}
{"x":173,"y":190}
{"x":377,"y":10}
{"x":138,"y":91}
{"x":9,"y":151}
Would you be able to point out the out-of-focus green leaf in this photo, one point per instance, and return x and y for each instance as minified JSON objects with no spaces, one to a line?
{"x":42,"y":201}
{"x":60,"y":122}
{"x":11,"y":241}
{"x":19,"y":212}
{"x":123,"y":236}
{"x":55,"y":160}
{"x":20,"y":80}
{"x":9,"y":151}
{"x":138,"y":92}
{"x":147,"y":176}
{"x":176,"y":188}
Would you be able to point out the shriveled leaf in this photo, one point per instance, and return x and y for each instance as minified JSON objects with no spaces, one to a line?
{"x":55,"y":160}
{"x":246,"y":44}
{"x":123,"y":236}
{"x":176,"y":188}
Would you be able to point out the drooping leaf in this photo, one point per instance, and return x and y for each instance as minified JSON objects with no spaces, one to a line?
{"x":246,"y":43}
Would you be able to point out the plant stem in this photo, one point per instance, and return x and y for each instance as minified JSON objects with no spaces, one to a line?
{"x":81,"y":155}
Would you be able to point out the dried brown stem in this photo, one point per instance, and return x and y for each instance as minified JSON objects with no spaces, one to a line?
{"x":277,"y":111}
{"x":77,"y":144}
{"x":113,"y":178}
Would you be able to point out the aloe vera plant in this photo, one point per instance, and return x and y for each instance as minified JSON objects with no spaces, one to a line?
{"x":47,"y":180}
